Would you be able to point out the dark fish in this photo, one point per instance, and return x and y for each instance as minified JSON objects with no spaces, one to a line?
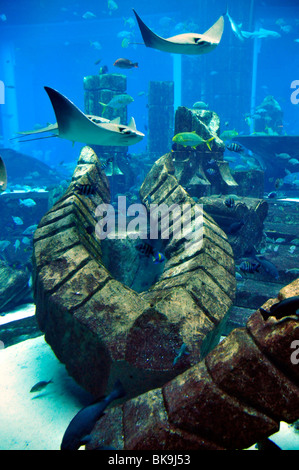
{"x":269,"y":267}
{"x":234,"y":147}
{"x":97,"y":62}
{"x":145,"y":249}
{"x":235,"y":227}
{"x":82,"y":424}
{"x":85,"y":189}
{"x":40,"y":385}
{"x":267,"y":444}
{"x":287,"y":307}
{"x":249,"y":267}
{"x":272,"y":195}
{"x":125,"y":64}
{"x":229,"y":202}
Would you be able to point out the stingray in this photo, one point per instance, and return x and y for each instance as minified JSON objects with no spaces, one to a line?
{"x":72,"y":124}
{"x":3,"y":176}
{"x":188,"y":43}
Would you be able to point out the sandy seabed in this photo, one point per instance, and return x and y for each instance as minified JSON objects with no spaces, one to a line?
{"x":37,"y":421}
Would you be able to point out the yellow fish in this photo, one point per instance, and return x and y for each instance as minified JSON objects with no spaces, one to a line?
{"x":191,"y":139}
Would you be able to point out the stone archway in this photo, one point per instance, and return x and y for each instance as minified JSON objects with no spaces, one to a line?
{"x":100,"y":328}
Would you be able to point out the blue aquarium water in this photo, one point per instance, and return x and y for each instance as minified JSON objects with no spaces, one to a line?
{"x":224,"y":106}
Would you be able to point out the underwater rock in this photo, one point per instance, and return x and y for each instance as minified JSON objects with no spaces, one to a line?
{"x":247,"y":215}
{"x":268,"y":147}
{"x":233,"y":398}
{"x":14,"y":288}
{"x":201,"y":171}
{"x":204,"y":122}
{"x":251,"y":183}
{"x":270,"y":116}
{"x":106,"y":81}
{"x":16,"y":331}
{"x":103,"y":330}
{"x":23,"y":170}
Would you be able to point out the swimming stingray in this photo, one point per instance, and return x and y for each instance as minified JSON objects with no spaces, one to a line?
{"x":3,"y":176}
{"x":188,"y":43}
{"x":72,"y":124}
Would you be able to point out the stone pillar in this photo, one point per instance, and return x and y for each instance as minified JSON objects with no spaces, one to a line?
{"x":201,"y":171}
{"x":101,"y":89}
{"x":160,"y":117}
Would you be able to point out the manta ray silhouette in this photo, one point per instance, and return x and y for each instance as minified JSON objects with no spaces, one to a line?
{"x":3,"y":176}
{"x":188,"y":43}
{"x":72,"y":124}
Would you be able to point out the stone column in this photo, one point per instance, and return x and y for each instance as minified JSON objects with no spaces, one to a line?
{"x":160,"y":117}
{"x":101,"y":89}
{"x":201,"y":171}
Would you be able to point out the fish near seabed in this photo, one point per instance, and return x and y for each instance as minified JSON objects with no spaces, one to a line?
{"x":40,"y":385}
{"x":145,"y":249}
{"x":72,"y":124}
{"x":83,"y":422}
{"x":3,"y":176}
{"x":187,"y":43}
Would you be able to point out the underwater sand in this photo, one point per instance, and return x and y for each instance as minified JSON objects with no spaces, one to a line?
{"x":37,"y":421}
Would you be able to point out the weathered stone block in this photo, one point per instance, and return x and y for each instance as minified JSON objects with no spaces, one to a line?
{"x":234,"y":398}
{"x":110,"y":81}
{"x":113,"y":81}
{"x":92,"y":82}
{"x":247,"y":211}
{"x":204,"y":122}
{"x":251,"y":183}
{"x":101,"y":329}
